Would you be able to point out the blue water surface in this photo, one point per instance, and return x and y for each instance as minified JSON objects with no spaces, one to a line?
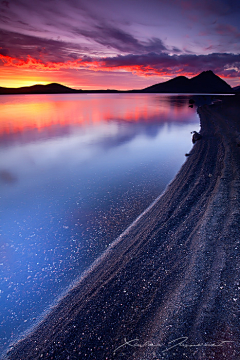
{"x":75,"y":171}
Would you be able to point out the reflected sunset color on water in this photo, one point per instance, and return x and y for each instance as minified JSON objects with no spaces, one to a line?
{"x":23,"y":112}
{"x":75,"y":172}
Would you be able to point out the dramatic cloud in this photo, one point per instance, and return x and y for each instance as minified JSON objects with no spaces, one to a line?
{"x":144,"y":37}
{"x":21,"y":46}
{"x":121,"y":40}
{"x":226,"y":65}
{"x":164,"y":63}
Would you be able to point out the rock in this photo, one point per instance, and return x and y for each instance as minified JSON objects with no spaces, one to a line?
{"x":196,"y":136}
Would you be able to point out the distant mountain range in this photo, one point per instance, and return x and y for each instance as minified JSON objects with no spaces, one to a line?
{"x":206,"y":82}
{"x":38,"y":89}
{"x":53,"y":88}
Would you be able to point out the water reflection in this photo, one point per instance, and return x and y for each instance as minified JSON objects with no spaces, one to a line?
{"x":75,"y":171}
{"x":23,"y":112}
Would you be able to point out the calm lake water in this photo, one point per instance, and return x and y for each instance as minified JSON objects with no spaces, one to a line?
{"x":75,"y":171}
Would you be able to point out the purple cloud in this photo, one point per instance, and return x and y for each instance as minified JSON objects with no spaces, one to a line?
{"x":20,"y":46}
{"x":224,"y":64}
{"x":228,"y":30}
{"x":118,"y":39}
{"x":148,"y":38}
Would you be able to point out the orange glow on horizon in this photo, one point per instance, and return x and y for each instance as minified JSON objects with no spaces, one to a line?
{"x":22,"y":83}
{"x":32,"y":63}
{"x":12,"y":77}
{"x":37,"y":72}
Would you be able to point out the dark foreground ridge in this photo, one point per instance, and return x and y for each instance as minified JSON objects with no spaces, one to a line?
{"x":167,"y":288}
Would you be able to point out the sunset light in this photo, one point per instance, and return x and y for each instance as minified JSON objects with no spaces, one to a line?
{"x":120,"y":179}
{"x":96,"y":49}
{"x":40,"y":112}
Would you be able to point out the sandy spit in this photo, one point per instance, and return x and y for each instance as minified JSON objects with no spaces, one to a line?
{"x":169,"y":287}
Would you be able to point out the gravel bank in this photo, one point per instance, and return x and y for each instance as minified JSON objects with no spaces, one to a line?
{"x":169,"y":286}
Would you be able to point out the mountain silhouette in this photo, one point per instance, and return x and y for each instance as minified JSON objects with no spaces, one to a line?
{"x":206,"y":82}
{"x":53,"y":88}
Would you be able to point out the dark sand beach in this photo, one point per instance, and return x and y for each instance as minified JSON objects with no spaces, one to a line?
{"x":169,"y":286}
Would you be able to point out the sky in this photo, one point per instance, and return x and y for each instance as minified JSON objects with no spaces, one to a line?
{"x":117,"y":44}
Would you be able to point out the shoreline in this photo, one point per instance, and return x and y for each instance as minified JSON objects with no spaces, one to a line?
{"x":174,"y":273}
